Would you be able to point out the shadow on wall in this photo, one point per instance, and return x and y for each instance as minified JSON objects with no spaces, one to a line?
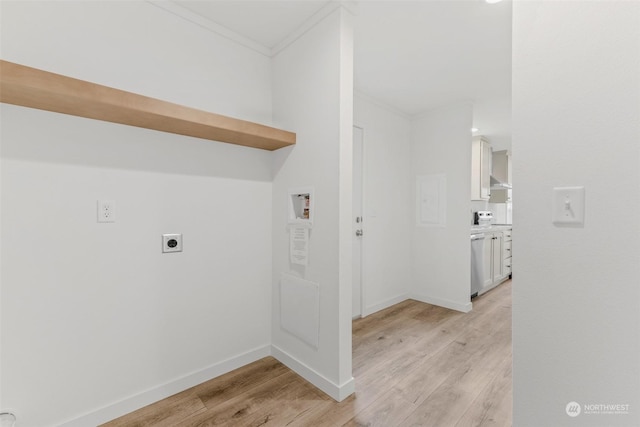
{"x":42,"y":136}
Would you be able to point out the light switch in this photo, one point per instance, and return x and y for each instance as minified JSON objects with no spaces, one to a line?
{"x":568,"y":206}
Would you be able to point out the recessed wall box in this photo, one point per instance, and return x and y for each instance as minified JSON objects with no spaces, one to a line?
{"x":300,"y":205}
{"x":172,"y":243}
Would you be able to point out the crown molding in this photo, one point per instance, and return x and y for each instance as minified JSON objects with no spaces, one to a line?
{"x":170,"y":6}
{"x":315,"y":19}
{"x":381,"y":104}
{"x":209,"y":25}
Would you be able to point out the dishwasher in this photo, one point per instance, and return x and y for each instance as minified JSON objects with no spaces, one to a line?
{"x":477,"y":263}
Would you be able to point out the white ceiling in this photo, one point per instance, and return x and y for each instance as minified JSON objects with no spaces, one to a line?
{"x":411,"y":55}
{"x":266,"y":22}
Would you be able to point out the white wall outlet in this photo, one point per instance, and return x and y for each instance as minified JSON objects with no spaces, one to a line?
{"x":106,"y":211}
{"x":172,"y":243}
{"x":568,"y":206}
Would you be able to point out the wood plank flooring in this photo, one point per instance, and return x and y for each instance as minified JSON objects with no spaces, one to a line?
{"x":414,"y":364}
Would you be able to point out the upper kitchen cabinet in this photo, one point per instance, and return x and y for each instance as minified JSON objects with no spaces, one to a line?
{"x":481,"y":159}
{"x":501,"y":177}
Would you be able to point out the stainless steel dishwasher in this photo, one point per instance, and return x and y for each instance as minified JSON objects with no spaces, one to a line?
{"x":477,"y":263}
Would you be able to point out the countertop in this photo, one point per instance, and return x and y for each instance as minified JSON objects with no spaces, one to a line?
{"x":491,"y":228}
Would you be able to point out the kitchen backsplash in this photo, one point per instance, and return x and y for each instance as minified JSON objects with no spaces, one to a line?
{"x":502,"y":212}
{"x":478,"y":205}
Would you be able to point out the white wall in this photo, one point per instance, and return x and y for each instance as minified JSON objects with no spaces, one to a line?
{"x":576,"y":299}
{"x":1,"y":316}
{"x":147,"y":56}
{"x":94,"y":314}
{"x":312,"y":96}
{"x":388,"y":204}
{"x":401,"y":259}
{"x":441,"y":259}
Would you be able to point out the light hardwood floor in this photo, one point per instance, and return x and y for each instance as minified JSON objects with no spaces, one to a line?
{"x":415,"y":364}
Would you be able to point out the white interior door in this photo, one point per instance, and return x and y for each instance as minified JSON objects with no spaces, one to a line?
{"x":358,"y":231}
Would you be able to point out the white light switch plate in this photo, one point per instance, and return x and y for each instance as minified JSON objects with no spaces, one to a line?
{"x":568,"y":206}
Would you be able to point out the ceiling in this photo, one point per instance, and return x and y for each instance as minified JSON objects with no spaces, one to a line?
{"x":410,"y":55}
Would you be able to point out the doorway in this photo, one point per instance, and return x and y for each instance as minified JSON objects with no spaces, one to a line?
{"x":358,"y":230}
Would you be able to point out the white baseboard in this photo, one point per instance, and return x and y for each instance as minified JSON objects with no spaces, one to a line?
{"x":385,"y":304}
{"x":155,"y":394}
{"x":335,"y":391}
{"x":140,"y":400}
{"x":453,"y":305}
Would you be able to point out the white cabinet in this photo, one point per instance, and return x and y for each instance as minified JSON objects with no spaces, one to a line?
{"x":492,"y":259}
{"x":497,"y":259}
{"x":506,"y":253}
{"x":481,"y":158}
{"x":487,"y":258}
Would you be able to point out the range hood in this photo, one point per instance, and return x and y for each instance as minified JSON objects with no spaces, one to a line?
{"x":499,"y":185}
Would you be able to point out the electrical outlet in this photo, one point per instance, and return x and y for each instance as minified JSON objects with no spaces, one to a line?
{"x":106,"y":211}
{"x":172,"y":243}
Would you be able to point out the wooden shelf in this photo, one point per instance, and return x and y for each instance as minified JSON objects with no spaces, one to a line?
{"x":30,"y":87}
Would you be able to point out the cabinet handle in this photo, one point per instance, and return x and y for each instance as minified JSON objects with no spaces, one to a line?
{"x":509,"y":250}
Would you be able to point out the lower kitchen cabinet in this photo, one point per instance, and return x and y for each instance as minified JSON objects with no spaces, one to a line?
{"x":497,"y":258}
{"x":506,"y":253}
